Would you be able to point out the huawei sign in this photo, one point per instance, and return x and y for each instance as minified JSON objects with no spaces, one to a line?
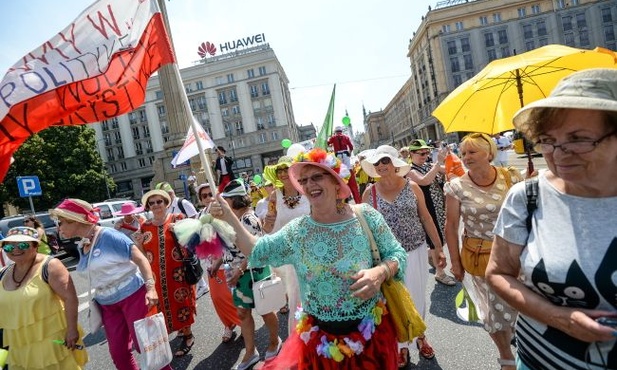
{"x":206,"y":48}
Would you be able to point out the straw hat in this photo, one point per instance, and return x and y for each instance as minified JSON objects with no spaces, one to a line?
{"x":76,"y":210}
{"x":382,"y":152}
{"x":162,"y":193}
{"x":21,"y":234}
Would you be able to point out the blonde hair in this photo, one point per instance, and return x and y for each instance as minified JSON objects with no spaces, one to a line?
{"x":480,"y":141}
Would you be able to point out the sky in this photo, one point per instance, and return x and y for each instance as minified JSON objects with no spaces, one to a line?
{"x":361,"y":45}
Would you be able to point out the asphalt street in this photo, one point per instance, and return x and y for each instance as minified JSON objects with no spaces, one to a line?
{"x":457,"y":344}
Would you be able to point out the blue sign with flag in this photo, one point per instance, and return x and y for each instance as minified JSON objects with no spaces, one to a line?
{"x":29,"y":186}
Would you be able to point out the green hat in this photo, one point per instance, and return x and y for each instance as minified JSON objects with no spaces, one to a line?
{"x":270,"y":171}
{"x":418,"y":144}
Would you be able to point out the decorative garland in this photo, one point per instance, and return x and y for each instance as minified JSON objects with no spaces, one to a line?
{"x":329,"y":345}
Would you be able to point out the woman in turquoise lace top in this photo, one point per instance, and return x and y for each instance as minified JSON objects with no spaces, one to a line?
{"x":342,"y":324}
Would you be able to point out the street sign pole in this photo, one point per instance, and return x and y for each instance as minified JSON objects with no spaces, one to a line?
{"x":31,"y":204}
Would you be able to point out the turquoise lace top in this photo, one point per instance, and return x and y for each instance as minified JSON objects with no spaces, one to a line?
{"x":326,"y":256}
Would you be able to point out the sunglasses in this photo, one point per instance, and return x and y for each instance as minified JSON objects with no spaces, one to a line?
{"x":8,"y":248}
{"x":384,"y":161}
{"x":205,"y":195}
{"x":153,"y":202}
{"x":421,"y":153}
{"x":317,"y":177}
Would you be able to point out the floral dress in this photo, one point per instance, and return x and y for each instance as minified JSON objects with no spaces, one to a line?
{"x":435,"y":199}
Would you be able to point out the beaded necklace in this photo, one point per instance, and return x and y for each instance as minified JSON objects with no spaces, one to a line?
{"x":291,"y":201}
{"x":18,"y":283}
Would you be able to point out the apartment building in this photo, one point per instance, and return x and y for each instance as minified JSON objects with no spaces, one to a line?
{"x":240,"y":98}
{"x":458,"y":38}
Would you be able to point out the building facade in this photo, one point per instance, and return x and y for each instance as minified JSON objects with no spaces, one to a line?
{"x":241,"y":99}
{"x":458,"y":38}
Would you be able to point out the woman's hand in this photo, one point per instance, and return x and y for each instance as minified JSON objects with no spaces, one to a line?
{"x":233,"y":282}
{"x":457,"y":270}
{"x":221,"y":210}
{"x":441,"y":259}
{"x":71,"y":338}
{"x":152,"y":299}
{"x":368,"y":282}
{"x":582,"y":325}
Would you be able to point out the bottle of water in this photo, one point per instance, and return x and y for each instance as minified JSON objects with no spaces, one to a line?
{"x":228,"y":273}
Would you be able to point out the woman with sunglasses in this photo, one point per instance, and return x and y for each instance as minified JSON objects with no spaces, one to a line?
{"x":118,"y":272}
{"x":219,"y":291}
{"x":342,"y":324}
{"x":38,"y":304}
{"x":402,"y":205}
{"x":559,"y":270}
{"x":165,"y":255}
{"x":285,"y":203}
{"x":477,"y":197}
{"x":33,"y":222}
{"x":430,"y":177}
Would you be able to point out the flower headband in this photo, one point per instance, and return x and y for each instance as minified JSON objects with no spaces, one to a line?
{"x":327,"y":159}
{"x":26,"y":231}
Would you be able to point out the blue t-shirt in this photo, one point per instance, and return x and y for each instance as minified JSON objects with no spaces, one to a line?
{"x":113,"y":275}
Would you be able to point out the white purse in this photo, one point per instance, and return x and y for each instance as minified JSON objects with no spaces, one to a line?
{"x":268,"y":294}
{"x":95,"y":316}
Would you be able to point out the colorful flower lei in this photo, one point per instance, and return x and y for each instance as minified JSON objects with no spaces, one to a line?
{"x":335,"y":349}
{"x":328,"y":159}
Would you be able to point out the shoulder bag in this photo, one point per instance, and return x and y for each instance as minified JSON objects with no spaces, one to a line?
{"x":190,"y":263}
{"x":268,"y":294}
{"x":406,"y":318}
{"x":95,"y":316}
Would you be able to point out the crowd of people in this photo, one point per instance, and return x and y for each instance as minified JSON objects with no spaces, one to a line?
{"x":536,"y":252}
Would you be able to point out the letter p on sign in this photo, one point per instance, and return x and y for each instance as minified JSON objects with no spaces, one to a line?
{"x":29,"y":186}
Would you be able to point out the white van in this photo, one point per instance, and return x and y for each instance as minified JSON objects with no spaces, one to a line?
{"x":107,"y":210}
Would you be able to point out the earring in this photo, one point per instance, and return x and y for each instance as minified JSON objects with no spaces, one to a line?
{"x":340,"y":206}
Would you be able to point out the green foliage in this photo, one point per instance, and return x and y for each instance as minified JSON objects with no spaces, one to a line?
{"x":67,"y":163}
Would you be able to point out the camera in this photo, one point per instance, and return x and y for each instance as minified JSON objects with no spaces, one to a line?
{"x":607,"y":321}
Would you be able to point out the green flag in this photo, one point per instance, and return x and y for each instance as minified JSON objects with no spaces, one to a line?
{"x":326,"y":129}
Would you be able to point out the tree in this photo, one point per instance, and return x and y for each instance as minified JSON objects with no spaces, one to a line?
{"x":67,"y":163}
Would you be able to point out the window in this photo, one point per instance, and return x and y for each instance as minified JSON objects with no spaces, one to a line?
{"x":219,"y":80}
{"x":569,"y":38}
{"x":199,"y":85}
{"x":271,"y":120}
{"x":142,"y":162}
{"x":260,"y":123}
{"x":561,"y":4}
{"x":224,"y":112}
{"x":505,"y":52}
{"x":527,"y":32}
{"x":233,"y":96}
{"x":566,"y":23}
{"x":492,"y":54}
{"x":239,"y":128}
{"x":543,"y":42}
{"x":151,"y":160}
{"x":254,"y":91}
{"x":468,"y":61}
{"x":457,"y":80}
{"x":607,"y":17}
{"x":530,"y":45}
{"x":158,"y":94}
{"x":609,"y":33}
{"x":120,"y":152}
{"x":521,"y":12}
{"x":535,"y":9}
{"x":581,"y":22}
{"x":275,"y":136}
{"x":465,"y":46}
{"x":265,"y":89}
{"x":118,"y":137}
{"x":146,"y":131}
{"x":451,"y":47}
{"x":459,"y":26}
{"x":496,"y":17}
{"x":105,"y":126}
{"x":454,"y":66}
{"x":142,"y":116}
{"x":483,"y":21}
{"x":574,"y":2}
{"x":503,"y":36}
{"x":135,"y":131}
{"x":541,"y":27}
{"x":222,"y":98}
{"x":262,"y":71}
{"x":188,"y":87}
{"x":445,"y":28}
{"x":584,"y":36}
{"x":250,"y":73}
{"x":123,"y":166}
{"x":235,"y":109}
{"x":488,"y":40}
{"x":262,"y":138}
{"x":230,"y":78}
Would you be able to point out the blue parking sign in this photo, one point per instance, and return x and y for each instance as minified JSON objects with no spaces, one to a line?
{"x":29,"y":186}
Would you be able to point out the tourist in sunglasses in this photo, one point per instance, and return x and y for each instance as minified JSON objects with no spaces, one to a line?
{"x":431,"y":177}
{"x":340,"y":287}
{"x":402,"y":204}
{"x":559,"y":270}
{"x":118,"y":272}
{"x":165,"y":256}
{"x":38,"y":304}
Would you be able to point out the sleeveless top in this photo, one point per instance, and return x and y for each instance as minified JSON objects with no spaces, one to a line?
{"x":33,"y":316}
{"x":285,"y":214}
{"x":434,"y":198}
{"x":402,"y":217}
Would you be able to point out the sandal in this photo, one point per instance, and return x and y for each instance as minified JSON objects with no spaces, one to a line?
{"x":228,"y":334}
{"x":425,"y":349}
{"x":403,"y":358}
{"x":285,"y":309}
{"x":185,"y":347}
{"x":445,"y":279}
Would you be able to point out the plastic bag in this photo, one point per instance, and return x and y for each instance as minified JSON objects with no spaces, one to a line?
{"x":153,"y":341}
{"x":454,"y":166}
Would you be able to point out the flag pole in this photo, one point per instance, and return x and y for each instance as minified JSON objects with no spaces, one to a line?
{"x":203,"y":156}
{"x":326,"y":129}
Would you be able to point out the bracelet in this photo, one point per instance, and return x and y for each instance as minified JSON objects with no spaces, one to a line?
{"x":149,"y":283}
{"x":387,"y":269}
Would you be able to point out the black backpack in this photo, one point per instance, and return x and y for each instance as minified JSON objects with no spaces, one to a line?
{"x":531,"y":190}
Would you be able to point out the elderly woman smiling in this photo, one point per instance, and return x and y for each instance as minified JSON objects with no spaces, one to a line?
{"x":339,"y":286}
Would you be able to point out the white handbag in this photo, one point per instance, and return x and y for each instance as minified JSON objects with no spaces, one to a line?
{"x":153,"y":342}
{"x":95,"y":317}
{"x":268,"y":294}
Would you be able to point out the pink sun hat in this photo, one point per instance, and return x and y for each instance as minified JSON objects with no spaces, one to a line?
{"x":129,"y":208}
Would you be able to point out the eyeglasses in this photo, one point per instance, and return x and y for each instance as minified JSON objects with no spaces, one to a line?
{"x":384,"y":161}
{"x":282,"y":170}
{"x":153,"y":202}
{"x":421,"y":153}
{"x":573,"y":147}
{"x":8,"y":248}
{"x":205,"y":195}
{"x":316,"y":177}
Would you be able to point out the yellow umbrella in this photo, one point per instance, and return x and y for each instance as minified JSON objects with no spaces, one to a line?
{"x":487,"y":102}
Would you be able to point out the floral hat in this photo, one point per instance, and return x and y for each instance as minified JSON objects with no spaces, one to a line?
{"x":324,"y":160}
{"x":76,"y":210}
{"x":270,"y":171}
{"x":22,"y":234}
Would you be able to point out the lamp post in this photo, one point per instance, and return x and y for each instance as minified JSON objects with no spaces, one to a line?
{"x":103,"y":171}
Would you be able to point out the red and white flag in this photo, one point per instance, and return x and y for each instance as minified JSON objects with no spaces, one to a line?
{"x":190,"y":148}
{"x":95,"y":69}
